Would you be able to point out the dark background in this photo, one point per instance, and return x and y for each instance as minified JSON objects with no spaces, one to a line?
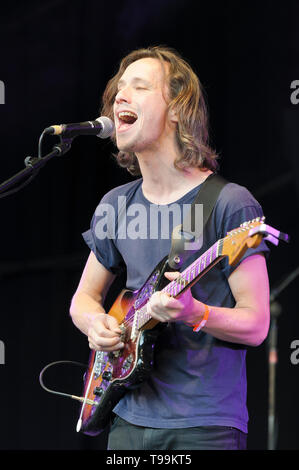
{"x":55,"y":59}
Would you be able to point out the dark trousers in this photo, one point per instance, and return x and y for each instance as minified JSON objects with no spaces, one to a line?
{"x":126,"y":436}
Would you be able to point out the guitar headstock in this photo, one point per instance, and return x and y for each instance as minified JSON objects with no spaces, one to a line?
{"x":248,"y":235}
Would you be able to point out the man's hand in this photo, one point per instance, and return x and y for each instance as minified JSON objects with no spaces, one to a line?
{"x":104,"y":333}
{"x":165,"y":308}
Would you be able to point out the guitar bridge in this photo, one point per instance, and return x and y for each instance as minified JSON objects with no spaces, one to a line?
{"x":134,"y":326}
{"x":122,"y":339}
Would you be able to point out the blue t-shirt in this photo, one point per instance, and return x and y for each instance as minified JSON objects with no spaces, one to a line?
{"x":197,"y":379}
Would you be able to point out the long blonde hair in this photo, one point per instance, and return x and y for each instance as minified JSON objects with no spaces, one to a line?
{"x":186,"y":99}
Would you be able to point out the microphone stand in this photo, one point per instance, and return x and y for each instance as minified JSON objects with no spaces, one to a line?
{"x":275,"y":311}
{"x":33,"y":165}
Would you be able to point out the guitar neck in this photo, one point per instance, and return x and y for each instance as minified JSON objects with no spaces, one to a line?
{"x":236,"y":242}
{"x":195,"y":270}
{"x":187,"y":278}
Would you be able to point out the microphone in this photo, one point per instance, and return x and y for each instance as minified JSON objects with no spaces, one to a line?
{"x":102,"y":127}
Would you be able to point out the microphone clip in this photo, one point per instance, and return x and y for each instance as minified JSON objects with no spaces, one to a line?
{"x":58,"y":150}
{"x":64,"y":145}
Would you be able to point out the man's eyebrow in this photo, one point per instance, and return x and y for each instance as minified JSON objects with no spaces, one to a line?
{"x":135,"y":81}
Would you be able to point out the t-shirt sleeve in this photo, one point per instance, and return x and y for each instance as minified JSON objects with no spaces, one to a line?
{"x":242,"y":208}
{"x":101,"y":242}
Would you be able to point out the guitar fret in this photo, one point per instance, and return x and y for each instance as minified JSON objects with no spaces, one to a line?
{"x":210,"y":255}
{"x":219,"y":247}
{"x":194,"y":273}
{"x":187,"y":276}
{"x":168,"y":289}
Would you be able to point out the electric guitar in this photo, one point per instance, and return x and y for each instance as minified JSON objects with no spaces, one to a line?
{"x":110,"y":375}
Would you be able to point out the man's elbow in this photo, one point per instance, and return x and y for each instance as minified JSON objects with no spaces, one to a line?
{"x":257,"y":340}
{"x":72,"y":308}
{"x":261,"y":330}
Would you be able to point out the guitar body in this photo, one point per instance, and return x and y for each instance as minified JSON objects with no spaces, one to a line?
{"x":110,"y":375}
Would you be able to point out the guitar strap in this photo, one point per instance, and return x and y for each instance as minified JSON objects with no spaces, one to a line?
{"x":187,"y":237}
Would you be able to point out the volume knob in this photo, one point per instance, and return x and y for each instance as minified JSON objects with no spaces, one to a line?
{"x":106,"y":375}
{"x":98,"y":391}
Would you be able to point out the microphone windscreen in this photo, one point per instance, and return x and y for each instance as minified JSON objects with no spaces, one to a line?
{"x":108,"y":127}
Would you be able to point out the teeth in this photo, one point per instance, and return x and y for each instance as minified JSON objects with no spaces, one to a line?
{"x":126,"y":113}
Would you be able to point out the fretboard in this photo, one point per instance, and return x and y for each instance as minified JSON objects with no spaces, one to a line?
{"x":188,"y":277}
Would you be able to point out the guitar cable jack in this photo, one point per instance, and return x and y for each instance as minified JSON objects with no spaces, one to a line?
{"x":67,"y":395}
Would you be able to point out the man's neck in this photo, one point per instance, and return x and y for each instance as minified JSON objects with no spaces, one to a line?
{"x":162,"y":182}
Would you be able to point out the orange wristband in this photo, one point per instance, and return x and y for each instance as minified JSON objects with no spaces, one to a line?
{"x":201,"y":324}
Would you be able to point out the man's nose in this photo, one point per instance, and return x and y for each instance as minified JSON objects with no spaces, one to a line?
{"x":123,"y":96}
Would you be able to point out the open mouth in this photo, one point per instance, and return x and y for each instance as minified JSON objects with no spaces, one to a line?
{"x":126,"y":119}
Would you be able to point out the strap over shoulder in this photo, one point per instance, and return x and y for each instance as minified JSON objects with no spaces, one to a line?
{"x":189,"y":233}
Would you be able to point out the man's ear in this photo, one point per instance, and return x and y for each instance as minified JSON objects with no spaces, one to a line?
{"x":173,"y":115}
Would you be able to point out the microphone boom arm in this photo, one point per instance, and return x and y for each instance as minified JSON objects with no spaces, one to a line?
{"x":33,"y":165}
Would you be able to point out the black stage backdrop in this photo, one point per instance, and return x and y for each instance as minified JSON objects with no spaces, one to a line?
{"x":56,"y":57}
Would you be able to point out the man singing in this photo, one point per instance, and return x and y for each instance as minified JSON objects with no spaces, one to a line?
{"x":195,"y":396}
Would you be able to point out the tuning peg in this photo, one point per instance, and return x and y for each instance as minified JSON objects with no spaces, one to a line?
{"x":244,"y":224}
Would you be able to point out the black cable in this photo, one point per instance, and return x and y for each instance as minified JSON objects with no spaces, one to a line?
{"x":40,"y":144}
{"x":34,"y":162}
{"x":68,"y":395}
{"x":22,"y":185}
{"x":27,"y":163}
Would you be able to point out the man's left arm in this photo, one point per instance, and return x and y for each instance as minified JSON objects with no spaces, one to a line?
{"x":246,"y":323}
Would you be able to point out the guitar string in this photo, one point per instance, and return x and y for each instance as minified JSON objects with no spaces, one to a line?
{"x":172,"y":287}
{"x":190,"y":272}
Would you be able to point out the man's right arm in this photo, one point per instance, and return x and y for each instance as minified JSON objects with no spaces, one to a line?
{"x":87,"y":309}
